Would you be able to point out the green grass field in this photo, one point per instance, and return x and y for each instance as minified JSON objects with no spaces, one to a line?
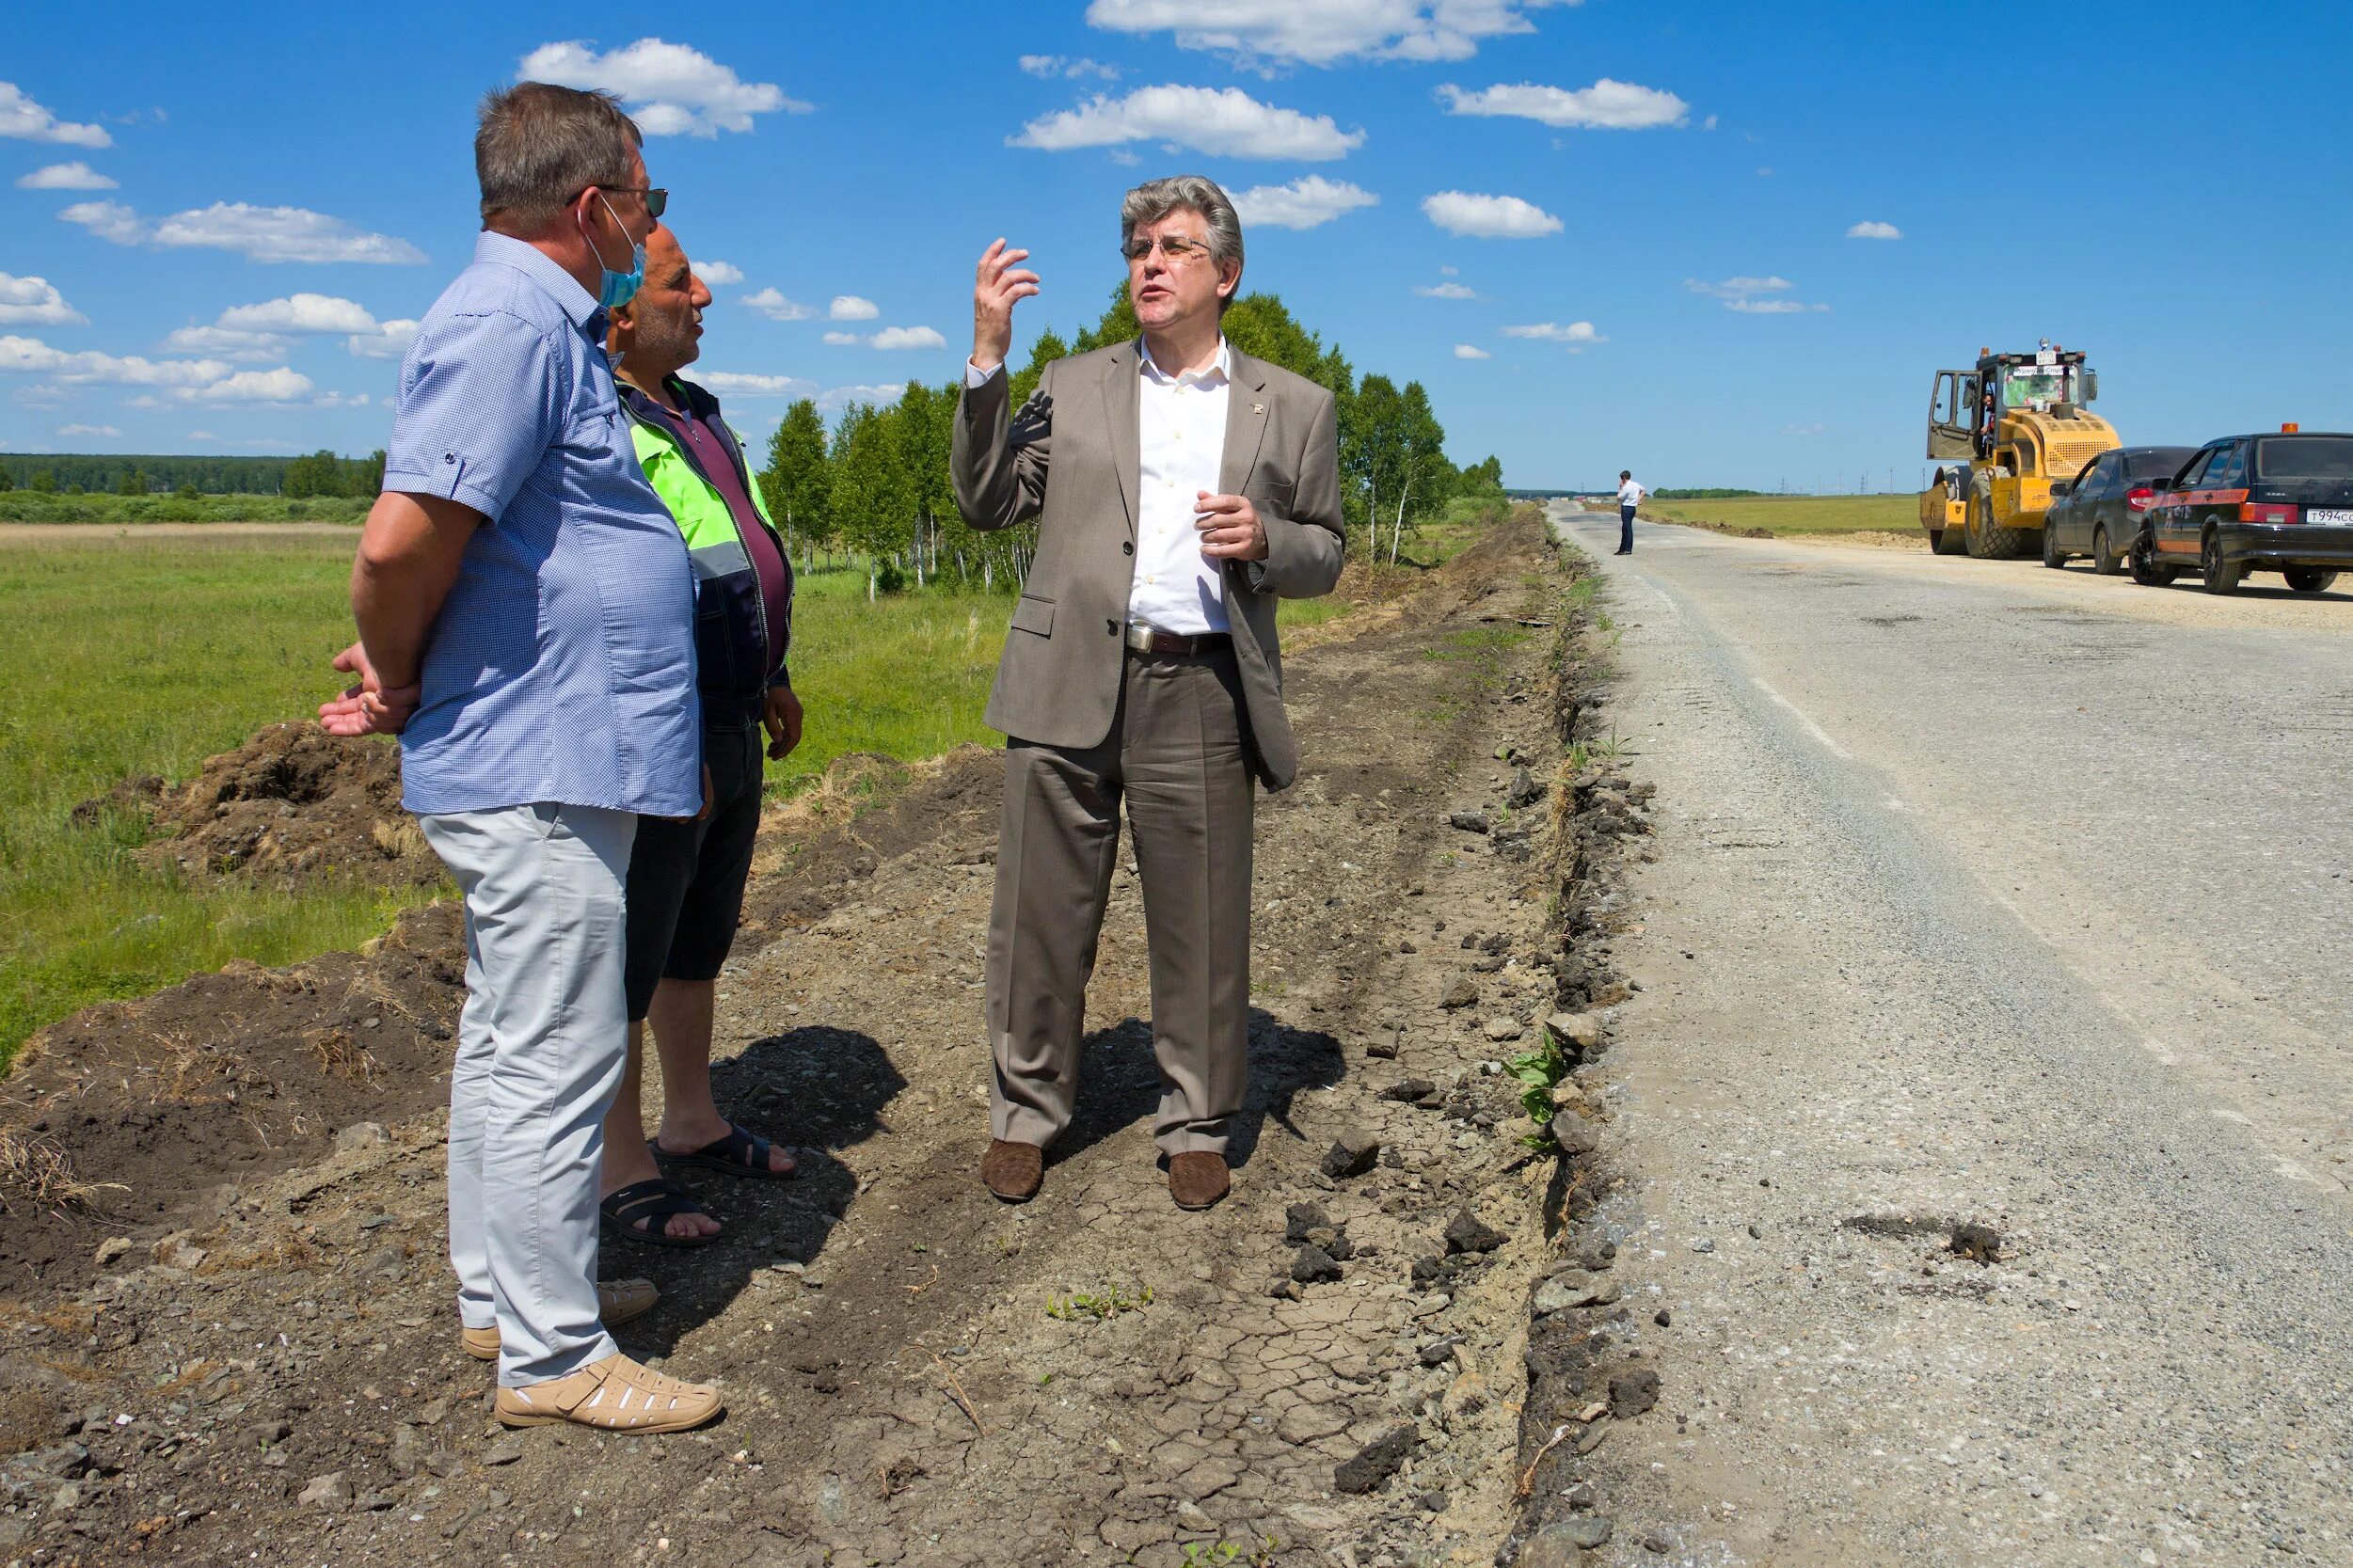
{"x":120,"y":656}
{"x":1799,"y":513}
{"x":147,"y":655}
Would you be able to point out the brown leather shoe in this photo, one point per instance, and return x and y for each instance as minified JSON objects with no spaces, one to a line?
{"x":1197,"y":1180}
{"x":1013,"y":1171}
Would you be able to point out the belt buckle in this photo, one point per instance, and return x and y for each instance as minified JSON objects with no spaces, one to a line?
{"x":1139,"y":636}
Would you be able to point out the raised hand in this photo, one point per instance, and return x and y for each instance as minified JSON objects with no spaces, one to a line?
{"x":367,"y":706}
{"x":998,"y":285}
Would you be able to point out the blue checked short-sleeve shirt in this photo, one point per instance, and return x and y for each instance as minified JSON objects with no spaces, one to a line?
{"x":562,"y":666}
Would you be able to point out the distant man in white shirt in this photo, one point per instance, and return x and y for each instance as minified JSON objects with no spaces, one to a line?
{"x":1181,"y":488}
{"x":1630,"y":495}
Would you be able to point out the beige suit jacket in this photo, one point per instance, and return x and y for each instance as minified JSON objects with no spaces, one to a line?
{"x":1069,"y":458}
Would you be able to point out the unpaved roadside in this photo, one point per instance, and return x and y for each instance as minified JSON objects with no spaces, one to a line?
{"x":916,"y":1373}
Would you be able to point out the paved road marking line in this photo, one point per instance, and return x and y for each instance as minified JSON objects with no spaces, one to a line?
{"x":1819,"y":732}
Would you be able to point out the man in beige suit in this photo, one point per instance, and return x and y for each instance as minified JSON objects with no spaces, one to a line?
{"x":1180,"y":488}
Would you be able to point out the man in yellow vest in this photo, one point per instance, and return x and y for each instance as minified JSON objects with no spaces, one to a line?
{"x":686,"y":877}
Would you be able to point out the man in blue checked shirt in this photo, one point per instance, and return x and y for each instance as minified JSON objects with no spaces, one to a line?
{"x":525,"y":626}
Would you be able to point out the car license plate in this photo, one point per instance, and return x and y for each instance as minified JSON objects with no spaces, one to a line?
{"x":2336,"y":515}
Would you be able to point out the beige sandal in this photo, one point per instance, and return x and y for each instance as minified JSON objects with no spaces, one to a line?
{"x":612,"y":1395}
{"x":617,"y":1302}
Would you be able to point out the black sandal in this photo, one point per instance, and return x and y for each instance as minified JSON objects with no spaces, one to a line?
{"x":639,"y":1211}
{"x":739,"y":1154}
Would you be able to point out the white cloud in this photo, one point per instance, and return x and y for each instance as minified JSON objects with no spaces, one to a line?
{"x":844,"y":339}
{"x":1489,"y":217}
{"x":1470,"y":351}
{"x":225,"y":342}
{"x":1739,"y":287}
{"x":76,"y":176}
{"x":1446,"y":290}
{"x":1804,"y":429}
{"x":389,"y":340}
{"x":341,"y":399}
{"x":30,"y":356}
{"x":26,"y":120}
{"x":1222,"y":122}
{"x":256,"y":233}
{"x":736,"y":383}
{"x":718,"y":274}
{"x":279,"y":385}
{"x":1319,"y":32}
{"x":35,"y":302}
{"x":261,"y":331}
{"x":1868,"y":230}
{"x":1606,"y":105}
{"x":1576,"y":334}
{"x":671,"y":90}
{"x":1305,"y":203}
{"x":1708,"y":124}
{"x":303,"y":313}
{"x":1062,"y":65}
{"x":777,"y":307}
{"x":210,"y":380}
{"x":203,"y":436}
{"x":850,"y":308}
{"x":907,"y":337}
{"x":89,"y":429}
{"x":835,"y":399}
{"x":1754,"y":296}
{"x":108,"y":220}
{"x":1450,"y":272}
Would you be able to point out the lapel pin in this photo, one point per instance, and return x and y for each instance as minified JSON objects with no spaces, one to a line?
{"x":1258,"y":409}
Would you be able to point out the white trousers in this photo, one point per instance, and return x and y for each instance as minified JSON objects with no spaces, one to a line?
{"x":541,"y":1046}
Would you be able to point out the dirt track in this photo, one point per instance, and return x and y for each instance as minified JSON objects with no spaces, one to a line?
{"x":916,"y":1373}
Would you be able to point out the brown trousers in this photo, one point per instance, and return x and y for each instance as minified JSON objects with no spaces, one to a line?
{"x":1179,"y":754}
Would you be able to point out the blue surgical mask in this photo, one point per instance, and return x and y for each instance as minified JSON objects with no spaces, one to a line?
{"x":619,"y":287}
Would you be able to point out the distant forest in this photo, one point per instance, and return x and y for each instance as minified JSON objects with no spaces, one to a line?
{"x":318,"y":474}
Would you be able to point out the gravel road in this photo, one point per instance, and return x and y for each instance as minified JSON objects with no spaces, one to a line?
{"x":1995,"y":895}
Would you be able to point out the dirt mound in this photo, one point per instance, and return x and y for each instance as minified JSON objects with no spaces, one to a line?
{"x":291,"y":807}
{"x":138,"y":1110}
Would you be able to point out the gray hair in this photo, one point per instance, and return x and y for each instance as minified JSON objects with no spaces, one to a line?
{"x":538,"y":146}
{"x":1156,"y":199}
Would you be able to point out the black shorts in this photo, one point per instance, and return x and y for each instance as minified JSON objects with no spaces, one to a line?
{"x":685,"y":879}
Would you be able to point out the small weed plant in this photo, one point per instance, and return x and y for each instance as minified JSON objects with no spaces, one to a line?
{"x":1098,"y":1308}
{"x":1536,"y":1071}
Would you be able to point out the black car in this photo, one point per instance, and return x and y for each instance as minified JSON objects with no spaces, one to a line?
{"x":2100,"y":512}
{"x":2280,"y":503}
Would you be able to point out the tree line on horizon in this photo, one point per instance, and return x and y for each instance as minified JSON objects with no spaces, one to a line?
{"x":321,"y":474}
{"x":876,"y":486}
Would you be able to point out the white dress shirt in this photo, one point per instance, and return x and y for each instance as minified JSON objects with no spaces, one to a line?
{"x":1631,"y":494}
{"x":1181,"y":443}
{"x":1181,"y":446}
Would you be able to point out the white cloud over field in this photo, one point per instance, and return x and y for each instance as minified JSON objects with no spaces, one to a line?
{"x":1489,"y":217}
{"x":35,"y":302}
{"x":1221,"y":122}
{"x":26,"y":120}
{"x":256,"y":233}
{"x":1305,"y":202}
{"x":76,"y":176}
{"x":670,"y":90}
{"x":1606,"y":105}
{"x":1323,"y":32}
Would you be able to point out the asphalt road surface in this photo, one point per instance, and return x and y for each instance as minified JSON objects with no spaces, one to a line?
{"x":1989,"y":893}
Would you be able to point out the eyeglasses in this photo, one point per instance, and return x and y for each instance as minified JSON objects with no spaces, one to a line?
{"x":1176,"y":247}
{"x":656,"y":197}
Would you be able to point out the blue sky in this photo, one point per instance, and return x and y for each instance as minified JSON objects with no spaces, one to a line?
{"x":214,"y":231}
